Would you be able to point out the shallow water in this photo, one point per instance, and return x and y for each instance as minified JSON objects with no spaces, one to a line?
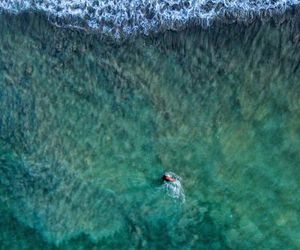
{"x":87,"y":128}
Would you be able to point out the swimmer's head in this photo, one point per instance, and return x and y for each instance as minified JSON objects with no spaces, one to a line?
{"x":168,"y":178}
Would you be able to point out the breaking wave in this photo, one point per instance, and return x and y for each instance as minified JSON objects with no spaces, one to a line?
{"x":126,"y":17}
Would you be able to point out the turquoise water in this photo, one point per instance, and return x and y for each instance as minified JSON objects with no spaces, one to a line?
{"x":87,"y":128}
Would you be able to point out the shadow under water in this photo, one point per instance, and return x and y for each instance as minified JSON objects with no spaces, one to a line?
{"x":88,"y":127}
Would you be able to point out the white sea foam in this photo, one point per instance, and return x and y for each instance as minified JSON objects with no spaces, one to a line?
{"x":125,"y":17}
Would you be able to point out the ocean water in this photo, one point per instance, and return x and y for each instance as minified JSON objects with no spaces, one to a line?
{"x":88,"y":125}
{"x":125,"y":18}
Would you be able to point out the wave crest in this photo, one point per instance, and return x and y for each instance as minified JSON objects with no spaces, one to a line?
{"x":127,"y":17}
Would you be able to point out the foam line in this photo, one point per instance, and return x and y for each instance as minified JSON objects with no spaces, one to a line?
{"x":127,"y":17}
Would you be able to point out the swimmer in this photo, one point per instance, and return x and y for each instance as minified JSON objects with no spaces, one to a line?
{"x":172,"y":185}
{"x":168,"y":178}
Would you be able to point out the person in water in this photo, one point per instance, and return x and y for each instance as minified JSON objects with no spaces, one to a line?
{"x":168,"y":178}
{"x":172,"y":185}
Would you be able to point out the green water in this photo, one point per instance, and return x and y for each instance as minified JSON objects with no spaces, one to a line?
{"x":87,"y":127}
